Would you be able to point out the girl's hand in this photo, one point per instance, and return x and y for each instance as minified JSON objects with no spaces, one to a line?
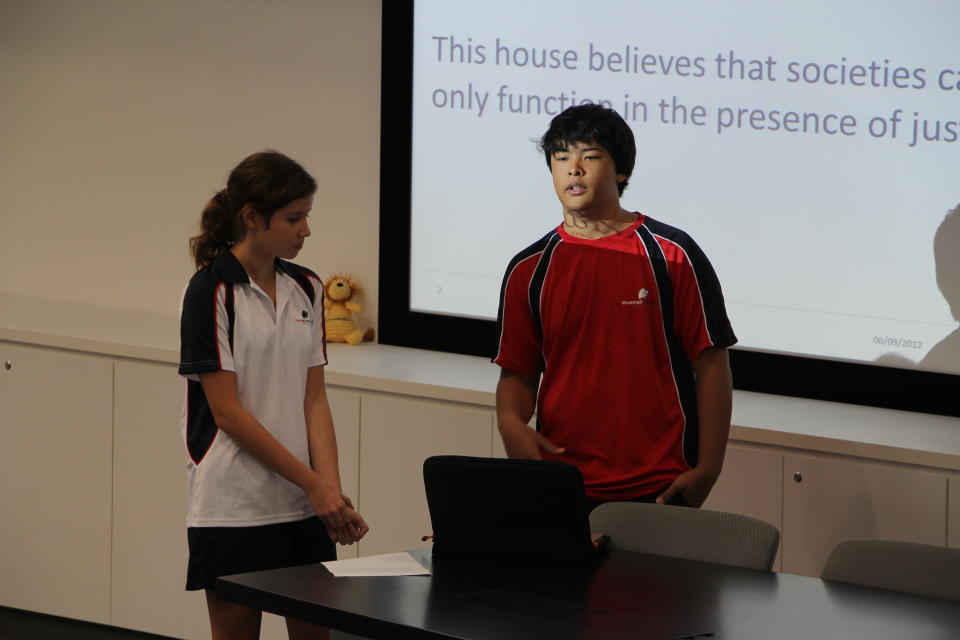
{"x":335,"y":510}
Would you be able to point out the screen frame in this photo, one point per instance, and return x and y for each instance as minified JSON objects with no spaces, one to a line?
{"x":759,"y":371}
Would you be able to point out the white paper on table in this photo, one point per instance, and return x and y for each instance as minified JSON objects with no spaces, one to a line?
{"x":387,"y":564}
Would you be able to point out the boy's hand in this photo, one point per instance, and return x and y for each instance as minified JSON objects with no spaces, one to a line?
{"x":522,"y":442}
{"x":694,"y":486}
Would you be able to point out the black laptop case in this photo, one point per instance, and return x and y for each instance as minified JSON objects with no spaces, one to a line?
{"x":532,"y":510}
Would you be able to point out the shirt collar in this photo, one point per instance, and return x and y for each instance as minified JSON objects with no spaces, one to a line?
{"x":284,"y":267}
{"x":229,"y":269}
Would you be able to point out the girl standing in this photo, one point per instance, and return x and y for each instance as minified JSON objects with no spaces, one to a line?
{"x":263,"y":482}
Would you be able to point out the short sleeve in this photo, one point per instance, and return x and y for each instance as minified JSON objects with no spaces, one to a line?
{"x":206,"y":327}
{"x":318,"y":355}
{"x":519,"y":345}
{"x":699,"y":313}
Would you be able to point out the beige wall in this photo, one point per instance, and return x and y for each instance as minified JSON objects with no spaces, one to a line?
{"x":119,"y":119}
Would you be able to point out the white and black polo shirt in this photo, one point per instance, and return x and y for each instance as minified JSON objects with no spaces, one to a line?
{"x":229,"y":323}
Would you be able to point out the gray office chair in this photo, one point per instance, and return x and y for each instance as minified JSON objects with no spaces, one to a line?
{"x":684,"y":532}
{"x":909,"y":567}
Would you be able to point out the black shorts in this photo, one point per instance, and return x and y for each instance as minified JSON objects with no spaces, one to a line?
{"x":223,"y":551}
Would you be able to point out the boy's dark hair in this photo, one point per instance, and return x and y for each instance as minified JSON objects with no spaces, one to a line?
{"x":593,"y":123}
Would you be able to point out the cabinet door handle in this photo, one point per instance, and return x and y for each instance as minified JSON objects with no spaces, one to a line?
{"x":798,"y":477}
{"x":7,"y":365}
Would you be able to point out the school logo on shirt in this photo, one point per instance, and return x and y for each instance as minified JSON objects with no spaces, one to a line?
{"x":304,"y":318}
{"x":641,"y":297}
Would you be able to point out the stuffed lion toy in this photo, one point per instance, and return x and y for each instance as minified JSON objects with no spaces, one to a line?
{"x":339,"y":307}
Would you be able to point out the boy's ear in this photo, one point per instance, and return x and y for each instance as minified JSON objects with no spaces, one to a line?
{"x":621,"y":177}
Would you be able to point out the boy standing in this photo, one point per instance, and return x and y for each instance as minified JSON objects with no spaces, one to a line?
{"x":623,"y":318}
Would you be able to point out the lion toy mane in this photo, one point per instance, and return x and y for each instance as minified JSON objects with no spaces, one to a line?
{"x":339,"y":307}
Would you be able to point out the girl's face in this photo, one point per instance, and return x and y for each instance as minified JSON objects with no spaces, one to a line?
{"x":287,"y":231}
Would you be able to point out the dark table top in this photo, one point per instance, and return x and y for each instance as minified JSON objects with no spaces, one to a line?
{"x":622,"y":595}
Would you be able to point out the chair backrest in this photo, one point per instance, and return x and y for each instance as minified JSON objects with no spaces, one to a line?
{"x":909,"y":567}
{"x":684,"y":532}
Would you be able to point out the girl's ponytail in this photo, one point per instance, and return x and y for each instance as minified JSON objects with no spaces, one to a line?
{"x":220,"y":227}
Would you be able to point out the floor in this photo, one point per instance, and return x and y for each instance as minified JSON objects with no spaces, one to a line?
{"x":24,"y":625}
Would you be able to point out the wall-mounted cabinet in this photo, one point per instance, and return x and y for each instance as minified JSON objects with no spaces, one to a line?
{"x":55,"y":482}
{"x":826,"y":502}
{"x":397,"y":435}
{"x":750,"y":484}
